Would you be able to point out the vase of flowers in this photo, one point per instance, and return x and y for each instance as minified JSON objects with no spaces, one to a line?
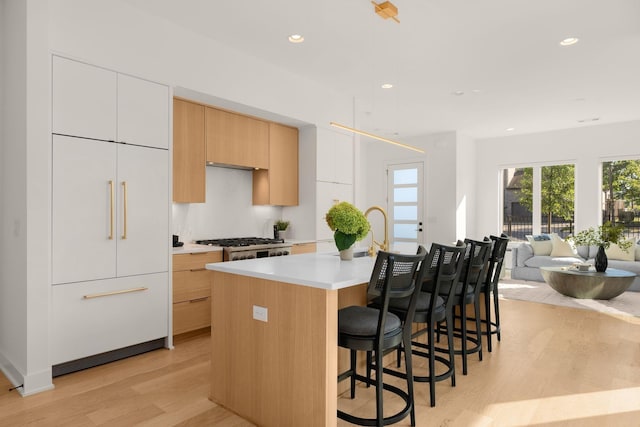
{"x":602,"y":237}
{"x":349,"y":225}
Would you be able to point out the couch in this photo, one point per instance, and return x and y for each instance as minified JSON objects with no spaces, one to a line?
{"x":525,"y":264}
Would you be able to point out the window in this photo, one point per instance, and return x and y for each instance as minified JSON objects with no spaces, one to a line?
{"x":405,"y":202}
{"x":538,"y":199}
{"x":621,"y":194}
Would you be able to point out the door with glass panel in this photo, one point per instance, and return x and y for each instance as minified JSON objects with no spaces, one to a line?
{"x":405,"y":194}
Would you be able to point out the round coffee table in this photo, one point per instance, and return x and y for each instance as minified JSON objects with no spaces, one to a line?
{"x":588,"y":284}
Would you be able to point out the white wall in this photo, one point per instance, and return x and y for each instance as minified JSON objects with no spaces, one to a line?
{"x":466,"y":212}
{"x":587,"y":147}
{"x":24,"y":260}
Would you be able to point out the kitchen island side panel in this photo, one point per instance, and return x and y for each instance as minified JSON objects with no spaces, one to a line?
{"x":282,"y":372}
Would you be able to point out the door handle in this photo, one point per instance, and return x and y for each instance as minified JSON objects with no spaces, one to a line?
{"x":124,"y":210}
{"x":111,"y":210}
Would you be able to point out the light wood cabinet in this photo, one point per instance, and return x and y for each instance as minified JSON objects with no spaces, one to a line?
{"x":279,"y":184}
{"x":303,"y":248}
{"x":192,"y":291}
{"x":236,"y":140}
{"x":189,"y":158}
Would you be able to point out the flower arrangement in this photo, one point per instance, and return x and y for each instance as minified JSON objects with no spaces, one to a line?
{"x":348,"y":223}
{"x":604,"y":236}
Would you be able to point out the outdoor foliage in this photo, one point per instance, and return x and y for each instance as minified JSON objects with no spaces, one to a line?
{"x":621,"y":181}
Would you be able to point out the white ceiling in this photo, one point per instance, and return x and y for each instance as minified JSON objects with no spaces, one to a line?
{"x":506,"y":50}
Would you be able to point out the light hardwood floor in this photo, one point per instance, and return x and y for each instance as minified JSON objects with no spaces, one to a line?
{"x":554,"y":367}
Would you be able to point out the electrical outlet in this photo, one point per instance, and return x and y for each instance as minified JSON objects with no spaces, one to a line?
{"x":260,"y":313}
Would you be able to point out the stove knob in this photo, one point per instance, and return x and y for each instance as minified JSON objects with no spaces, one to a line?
{"x":251,"y":257}
{"x":285,"y":253}
{"x":272,"y":254}
{"x":235,"y":258}
{"x":279,"y":253}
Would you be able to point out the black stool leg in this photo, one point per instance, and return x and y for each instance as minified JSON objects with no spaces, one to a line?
{"x":353,"y":373}
{"x":463,"y":329}
{"x":487,"y":315}
{"x":409,"y":369}
{"x":369,"y":368}
{"x":432,"y":364}
{"x":476,"y":311}
{"x":379,"y":389}
{"x":497,"y":309}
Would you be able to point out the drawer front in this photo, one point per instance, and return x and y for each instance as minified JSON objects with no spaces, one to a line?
{"x":89,"y":318}
{"x":195,"y":261}
{"x":188,"y":285}
{"x":303,"y":248}
{"x":191,"y":315}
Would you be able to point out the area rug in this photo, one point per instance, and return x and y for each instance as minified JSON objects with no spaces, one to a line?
{"x":627,"y":304}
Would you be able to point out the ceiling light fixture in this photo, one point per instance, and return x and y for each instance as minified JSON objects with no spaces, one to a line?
{"x":386,"y":86}
{"x":569,"y":41}
{"x":458,"y":93}
{"x":386,"y":10}
{"x":510,"y":129}
{"x":379,"y":138}
{"x":296,"y":38}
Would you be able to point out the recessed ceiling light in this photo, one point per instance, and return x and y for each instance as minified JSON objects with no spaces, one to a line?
{"x":590,"y":119}
{"x":296,"y":38}
{"x":458,"y":93}
{"x":386,"y":86}
{"x":569,"y":41}
{"x":510,"y":129}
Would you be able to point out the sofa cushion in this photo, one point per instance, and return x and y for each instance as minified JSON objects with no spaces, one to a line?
{"x":631,"y":266}
{"x":638,"y":252}
{"x":616,"y":252}
{"x":525,"y":251}
{"x":549,"y":261}
{"x":541,"y":244}
{"x":561,"y":247}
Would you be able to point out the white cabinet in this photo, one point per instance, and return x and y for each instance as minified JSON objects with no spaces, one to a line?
{"x":110,"y":210}
{"x":96,"y":103}
{"x":90,"y":318}
{"x":328,"y":194}
{"x":334,"y":156}
{"x":84,"y":100}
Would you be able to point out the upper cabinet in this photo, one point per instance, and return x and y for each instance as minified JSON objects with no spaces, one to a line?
{"x":334,"y":156}
{"x":279,"y":184}
{"x":236,"y":140}
{"x":92,"y":102}
{"x":189,"y":162}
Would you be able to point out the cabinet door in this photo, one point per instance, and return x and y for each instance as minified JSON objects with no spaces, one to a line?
{"x":84,"y":100}
{"x":143,"y":112}
{"x":83,"y":210}
{"x":189,"y":162}
{"x":334,"y":156}
{"x":237,"y":140}
{"x":89,"y":318}
{"x":143,"y":210}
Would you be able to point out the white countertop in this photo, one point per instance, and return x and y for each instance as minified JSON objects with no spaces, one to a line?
{"x":318,"y":270}
{"x":190,"y":248}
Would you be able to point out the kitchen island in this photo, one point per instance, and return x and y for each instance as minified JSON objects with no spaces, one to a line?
{"x":275,"y":357}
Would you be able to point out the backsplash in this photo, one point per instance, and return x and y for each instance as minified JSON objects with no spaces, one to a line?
{"x":228,"y":211}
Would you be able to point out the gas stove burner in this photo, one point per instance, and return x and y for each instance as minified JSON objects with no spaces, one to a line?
{"x":239,"y":241}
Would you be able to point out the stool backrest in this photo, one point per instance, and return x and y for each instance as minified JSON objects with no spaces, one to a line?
{"x":497,"y":258}
{"x":443,"y":268}
{"x":476,"y":263}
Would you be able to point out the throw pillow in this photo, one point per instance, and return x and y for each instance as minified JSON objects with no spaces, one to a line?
{"x":541,"y":244}
{"x":561,"y":247}
{"x":615,"y":252}
{"x":638,"y":252}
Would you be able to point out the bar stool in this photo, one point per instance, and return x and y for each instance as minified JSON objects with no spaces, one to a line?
{"x":442,"y":267}
{"x":376,"y":329}
{"x":490,"y":286}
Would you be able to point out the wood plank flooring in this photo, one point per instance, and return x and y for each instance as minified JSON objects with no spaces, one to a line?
{"x":555,"y":366}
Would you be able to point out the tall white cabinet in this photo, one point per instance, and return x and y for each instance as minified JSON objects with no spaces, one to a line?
{"x":110,"y":213}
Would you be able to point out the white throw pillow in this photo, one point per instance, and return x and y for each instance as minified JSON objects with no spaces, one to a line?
{"x":638,"y":252}
{"x":541,"y":244}
{"x":561,"y":247}
{"x":615,"y":252}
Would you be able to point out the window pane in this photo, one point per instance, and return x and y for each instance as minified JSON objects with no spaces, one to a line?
{"x":407,"y":194}
{"x":517,"y":186}
{"x":404,"y":213}
{"x":621,"y":195}
{"x":405,"y":231}
{"x":405,"y":176}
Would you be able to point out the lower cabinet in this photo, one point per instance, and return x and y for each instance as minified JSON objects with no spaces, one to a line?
{"x":90,"y":318}
{"x":303,"y":248}
{"x":192,"y":291}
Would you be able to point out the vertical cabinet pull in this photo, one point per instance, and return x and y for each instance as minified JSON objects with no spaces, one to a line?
{"x":111,"y":210}
{"x":124,"y":209}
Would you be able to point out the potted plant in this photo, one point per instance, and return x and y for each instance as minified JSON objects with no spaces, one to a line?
{"x":602,"y":237}
{"x":281,"y":226}
{"x":349,"y":225}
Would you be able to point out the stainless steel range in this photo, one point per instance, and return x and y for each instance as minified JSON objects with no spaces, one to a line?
{"x":249,"y":247}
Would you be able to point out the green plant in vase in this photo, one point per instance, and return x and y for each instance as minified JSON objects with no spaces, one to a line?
{"x":602,"y":237}
{"x":348,"y":224}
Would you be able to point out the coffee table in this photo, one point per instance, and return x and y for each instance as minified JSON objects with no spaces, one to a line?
{"x":588,"y":284}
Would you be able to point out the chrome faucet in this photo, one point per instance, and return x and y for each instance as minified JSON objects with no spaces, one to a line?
{"x":385,"y":244}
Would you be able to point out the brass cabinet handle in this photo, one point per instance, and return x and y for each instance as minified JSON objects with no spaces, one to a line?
{"x":111,"y":210}
{"x":124,"y":210}
{"x":198,"y":300}
{"x":122,"y":291}
{"x":198,"y":269}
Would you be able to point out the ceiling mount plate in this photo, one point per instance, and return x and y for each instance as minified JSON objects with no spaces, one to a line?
{"x":386,"y":10}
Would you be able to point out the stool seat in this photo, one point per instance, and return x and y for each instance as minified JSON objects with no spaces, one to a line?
{"x":363,"y":322}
